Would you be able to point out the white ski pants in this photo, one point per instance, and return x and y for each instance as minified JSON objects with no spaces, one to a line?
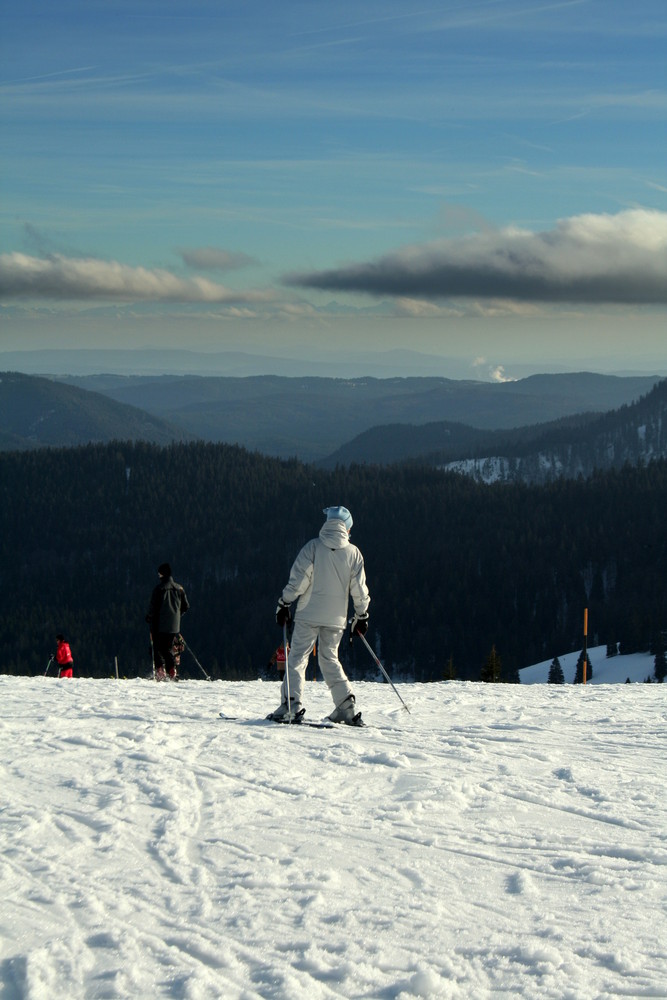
{"x":328,"y":640}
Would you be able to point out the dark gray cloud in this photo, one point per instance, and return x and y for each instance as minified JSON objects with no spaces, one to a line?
{"x":585,"y":259}
{"x":89,"y":279}
{"x":215,"y":259}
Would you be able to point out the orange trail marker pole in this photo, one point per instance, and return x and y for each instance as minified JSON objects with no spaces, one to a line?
{"x":585,"y":641}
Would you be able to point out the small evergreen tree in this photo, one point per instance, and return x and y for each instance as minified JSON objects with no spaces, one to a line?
{"x":556,"y":675}
{"x":492,"y":667}
{"x":612,"y":648}
{"x":450,"y":670}
{"x":512,"y":676}
{"x":660,"y":666}
{"x":579,"y":675}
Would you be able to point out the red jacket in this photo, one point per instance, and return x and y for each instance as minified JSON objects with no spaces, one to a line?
{"x":64,"y":654}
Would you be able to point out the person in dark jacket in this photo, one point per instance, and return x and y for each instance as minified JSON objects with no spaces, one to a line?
{"x":168,"y":603}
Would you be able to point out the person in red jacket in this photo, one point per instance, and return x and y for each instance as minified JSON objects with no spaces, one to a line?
{"x":64,"y":657}
{"x":278,"y":660}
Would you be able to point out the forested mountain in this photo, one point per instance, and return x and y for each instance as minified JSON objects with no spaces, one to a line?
{"x":443,"y":441}
{"x":632,"y":434}
{"x":569,"y":447}
{"x":454,"y":567}
{"x":35,"y":412}
{"x":309,"y":418}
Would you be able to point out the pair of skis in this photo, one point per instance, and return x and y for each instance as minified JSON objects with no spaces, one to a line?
{"x":368,"y":647}
{"x":298,"y":719}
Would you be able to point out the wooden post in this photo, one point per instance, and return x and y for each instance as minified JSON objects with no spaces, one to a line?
{"x":585,"y":641}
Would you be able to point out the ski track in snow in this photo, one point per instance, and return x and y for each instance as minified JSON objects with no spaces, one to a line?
{"x":501,"y":840}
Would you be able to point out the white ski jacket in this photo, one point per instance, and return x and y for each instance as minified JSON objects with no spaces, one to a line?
{"x":326,"y":573}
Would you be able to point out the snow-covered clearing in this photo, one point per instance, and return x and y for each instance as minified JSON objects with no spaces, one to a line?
{"x":501,"y":840}
{"x":635,"y":667}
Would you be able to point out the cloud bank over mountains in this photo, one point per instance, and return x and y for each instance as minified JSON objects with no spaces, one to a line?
{"x":585,"y":259}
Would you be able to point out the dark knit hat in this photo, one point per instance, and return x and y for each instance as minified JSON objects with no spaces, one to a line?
{"x":164,"y":569}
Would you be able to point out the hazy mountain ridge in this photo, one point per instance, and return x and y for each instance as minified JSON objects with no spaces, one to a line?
{"x":330,"y":421}
{"x":569,"y":447}
{"x":312,"y":417}
{"x":443,"y":441}
{"x":398,"y":361}
{"x":38,"y":412}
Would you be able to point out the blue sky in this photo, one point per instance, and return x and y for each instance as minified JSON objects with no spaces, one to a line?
{"x":485,"y":181}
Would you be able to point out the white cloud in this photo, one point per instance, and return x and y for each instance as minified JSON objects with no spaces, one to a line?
{"x":215,"y":259}
{"x":585,"y":259}
{"x":421,"y":308}
{"x":85,"y":279}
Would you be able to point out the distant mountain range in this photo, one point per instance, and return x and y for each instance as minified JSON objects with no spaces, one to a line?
{"x":326,"y":363}
{"x":569,"y":447}
{"x":533,"y":428}
{"x":37,"y":412}
{"x":310,"y":418}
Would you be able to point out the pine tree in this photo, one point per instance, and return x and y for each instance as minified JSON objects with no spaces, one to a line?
{"x":556,"y":675}
{"x":660,"y":665}
{"x":579,"y":675}
{"x":612,"y":649}
{"x":492,"y":667}
{"x":450,"y":670}
{"x":511,"y":675}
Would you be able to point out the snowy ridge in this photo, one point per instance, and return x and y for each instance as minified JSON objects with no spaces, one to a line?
{"x":500,"y":840}
{"x":635,"y":667}
{"x":496,"y":469}
{"x":633,"y":434}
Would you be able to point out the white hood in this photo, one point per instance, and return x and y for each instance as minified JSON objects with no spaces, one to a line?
{"x":326,"y":573}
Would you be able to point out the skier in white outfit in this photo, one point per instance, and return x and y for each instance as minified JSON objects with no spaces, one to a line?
{"x":326,"y":573}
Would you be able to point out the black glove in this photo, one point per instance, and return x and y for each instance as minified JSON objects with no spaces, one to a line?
{"x":359,"y":624}
{"x":283,"y":616}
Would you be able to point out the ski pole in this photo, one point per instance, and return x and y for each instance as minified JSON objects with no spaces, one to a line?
{"x":370,"y":650}
{"x":196,"y":660}
{"x":289,"y":703}
{"x":48,"y":664}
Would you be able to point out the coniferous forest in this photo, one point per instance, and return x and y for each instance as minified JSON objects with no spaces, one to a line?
{"x":456,"y":569}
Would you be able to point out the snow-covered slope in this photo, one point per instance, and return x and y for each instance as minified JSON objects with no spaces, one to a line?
{"x":635,"y":667}
{"x":501,"y":840}
{"x":633,"y":435}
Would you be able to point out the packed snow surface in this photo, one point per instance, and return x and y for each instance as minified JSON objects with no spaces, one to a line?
{"x":500,"y":840}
